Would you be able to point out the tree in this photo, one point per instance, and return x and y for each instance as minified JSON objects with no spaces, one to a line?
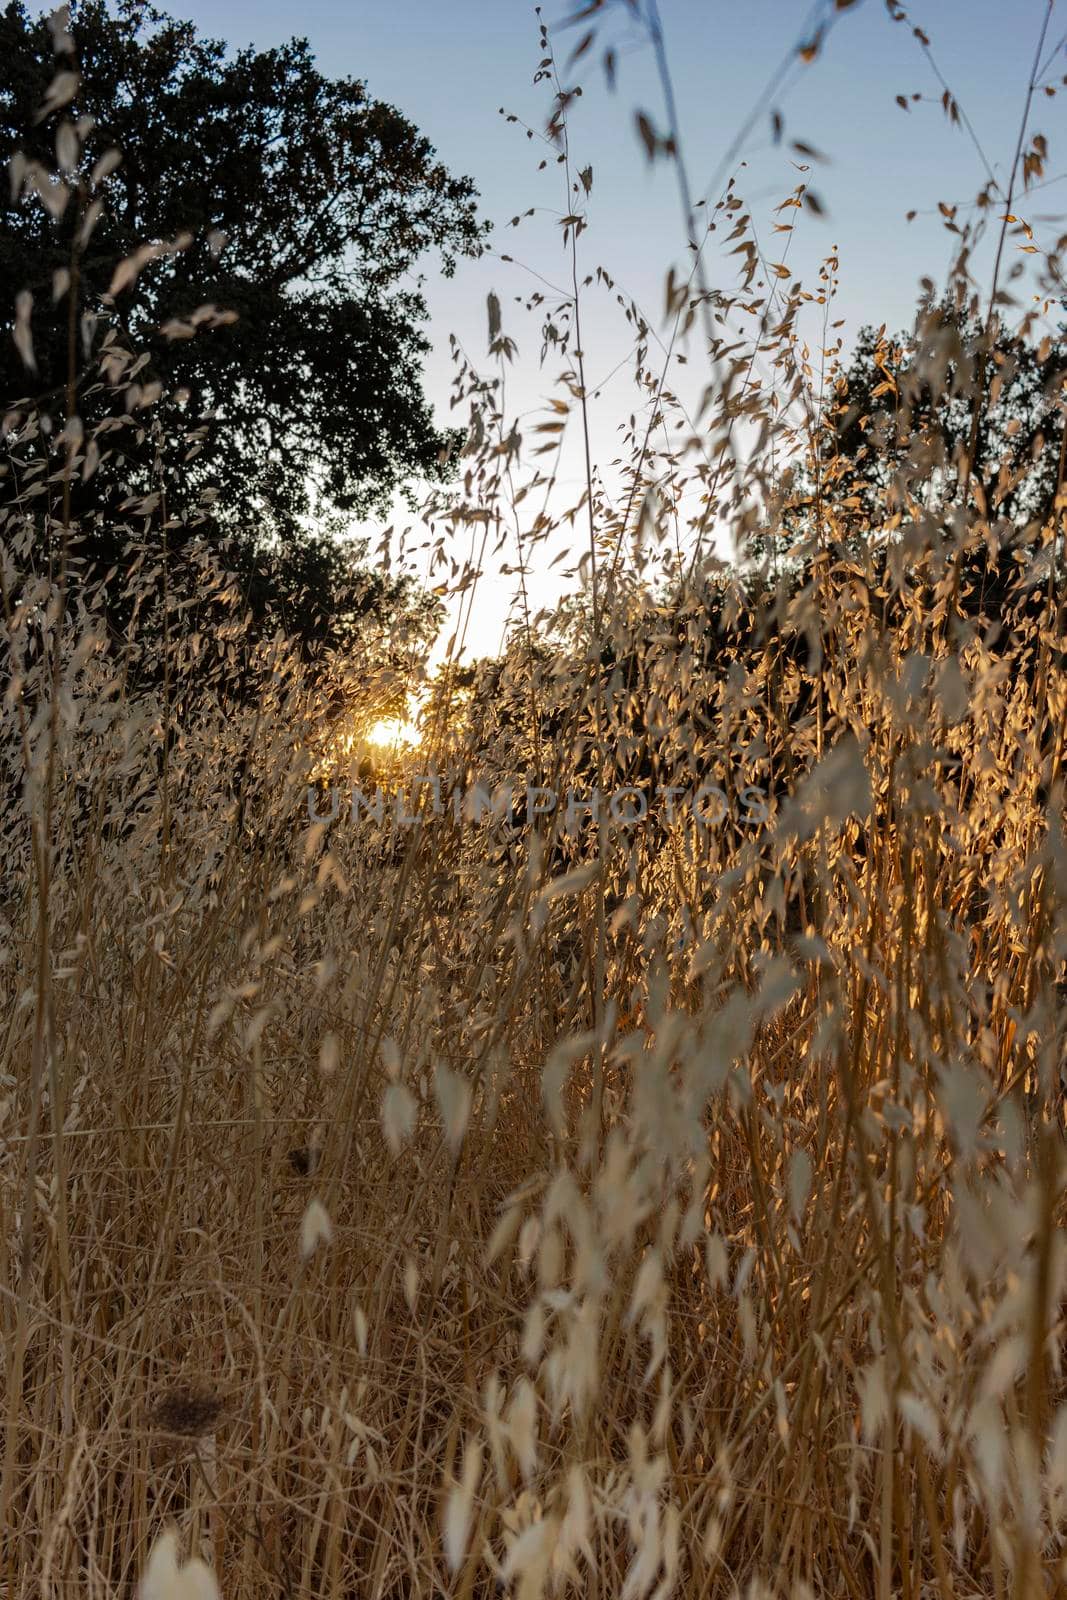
{"x":281,"y":217}
{"x":908,"y":423}
{"x":905,"y":404}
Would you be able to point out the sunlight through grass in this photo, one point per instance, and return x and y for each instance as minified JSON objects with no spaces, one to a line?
{"x":392,"y":733}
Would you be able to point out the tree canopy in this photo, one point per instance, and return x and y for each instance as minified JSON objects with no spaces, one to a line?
{"x":886,"y":418}
{"x":278,"y":215}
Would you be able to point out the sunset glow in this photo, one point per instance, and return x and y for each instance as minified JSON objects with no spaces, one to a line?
{"x":393,"y":733}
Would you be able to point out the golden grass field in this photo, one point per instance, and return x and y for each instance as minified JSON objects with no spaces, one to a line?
{"x":457,"y":1209}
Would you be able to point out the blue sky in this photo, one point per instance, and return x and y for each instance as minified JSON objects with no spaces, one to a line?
{"x":451,"y":64}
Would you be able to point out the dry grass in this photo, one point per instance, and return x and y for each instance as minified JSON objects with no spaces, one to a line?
{"x":669,"y":1210}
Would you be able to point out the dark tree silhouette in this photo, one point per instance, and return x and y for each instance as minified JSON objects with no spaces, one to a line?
{"x":285,"y":334}
{"x":886,"y":419}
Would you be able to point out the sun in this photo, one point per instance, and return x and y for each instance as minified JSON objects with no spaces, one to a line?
{"x":392,"y":733}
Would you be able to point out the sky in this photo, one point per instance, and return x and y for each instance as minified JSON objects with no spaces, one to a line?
{"x":450,"y":65}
